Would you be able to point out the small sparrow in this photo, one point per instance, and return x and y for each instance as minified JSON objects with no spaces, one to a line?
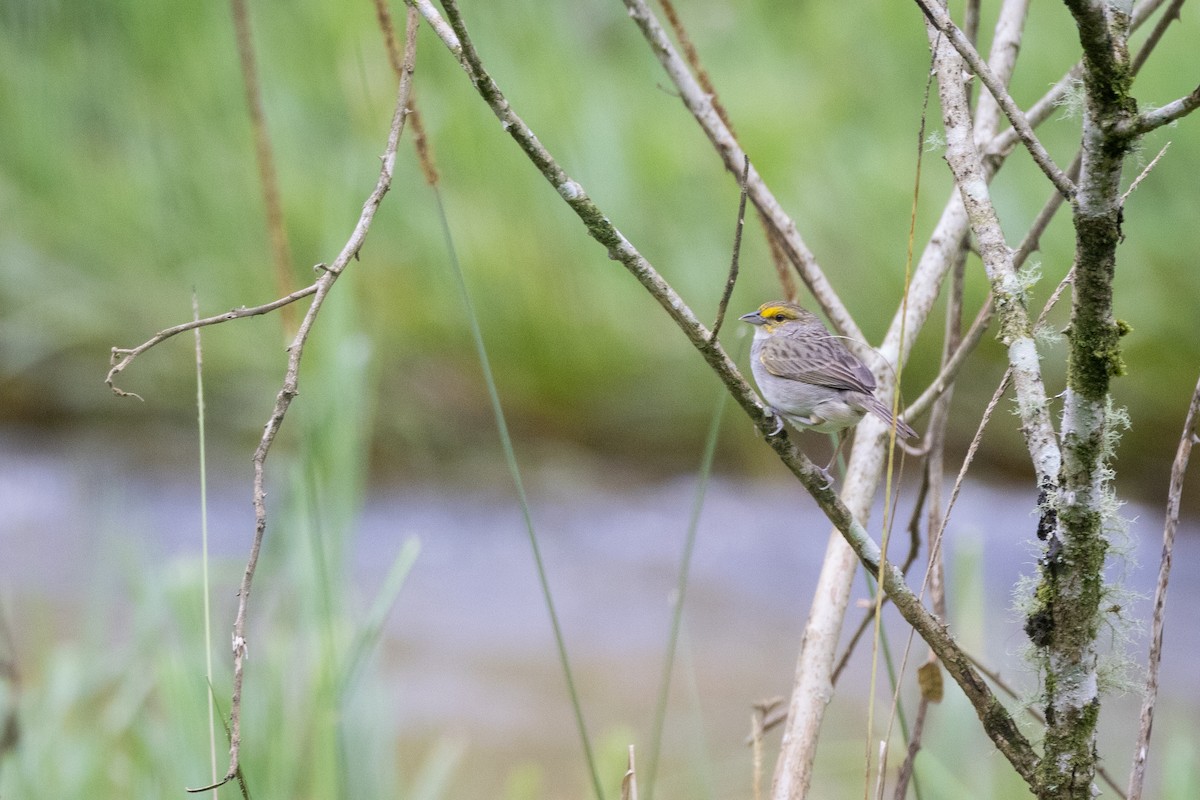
{"x":808,"y":376}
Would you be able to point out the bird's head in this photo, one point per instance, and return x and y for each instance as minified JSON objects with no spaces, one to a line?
{"x":778,"y":313}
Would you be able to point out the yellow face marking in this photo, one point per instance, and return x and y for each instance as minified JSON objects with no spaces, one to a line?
{"x":777,"y":314}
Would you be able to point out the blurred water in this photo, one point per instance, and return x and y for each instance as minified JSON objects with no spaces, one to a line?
{"x":470,"y":646}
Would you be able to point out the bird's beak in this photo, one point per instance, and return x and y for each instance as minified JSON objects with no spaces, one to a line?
{"x":754,"y":318}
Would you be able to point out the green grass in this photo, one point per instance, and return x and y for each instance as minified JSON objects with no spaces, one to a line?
{"x":127,"y":178}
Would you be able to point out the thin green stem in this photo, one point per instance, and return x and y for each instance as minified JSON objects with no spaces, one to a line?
{"x":510,"y":459}
{"x":208,"y":659}
{"x":685,"y":566}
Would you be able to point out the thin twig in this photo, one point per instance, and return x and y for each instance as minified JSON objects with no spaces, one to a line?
{"x":267,"y":178}
{"x":1160,"y":27}
{"x":384,"y":16}
{"x":1006,"y":140}
{"x":693,"y":60}
{"x":1142,"y":175}
{"x":934,"y":466}
{"x":419,"y":139}
{"x":905,"y":773}
{"x":10,"y":725}
{"x":290,"y":388}
{"x":971,"y":22}
{"x":779,"y":258}
{"x":949,"y":371}
{"x":997,"y":722}
{"x":1178,"y":471}
{"x":733,"y":262}
{"x":629,"y":786}
{"x":767,"y":714}
{"x":938,"y":17}
{"x":122,"y":357}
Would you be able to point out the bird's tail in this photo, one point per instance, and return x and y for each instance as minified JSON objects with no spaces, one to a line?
{"x":903,"y":429}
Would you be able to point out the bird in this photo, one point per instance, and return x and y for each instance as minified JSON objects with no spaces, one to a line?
{"x":808,"y":376}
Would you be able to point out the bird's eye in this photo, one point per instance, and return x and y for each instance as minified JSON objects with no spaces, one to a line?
{"x":780,"y":317}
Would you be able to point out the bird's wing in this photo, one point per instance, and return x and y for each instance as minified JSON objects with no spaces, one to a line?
{"x":819,"y":359}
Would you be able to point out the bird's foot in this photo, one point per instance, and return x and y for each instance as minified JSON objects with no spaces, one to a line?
{"x":825,"y":474}
{"x":778,"y":427}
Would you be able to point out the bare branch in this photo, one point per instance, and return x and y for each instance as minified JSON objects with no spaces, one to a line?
{"x":290,"y":389}
{"x":1041,"y":110}
{"x":983,"y":319}
{"x":1002,"y":58}
{"x":699,"y":103}
{"x":1016,"y":332}
{"x":122,"y":358}
{"x":938,"y":17}
{"x":1142,"y":175}
{"x":1007,"y":140}
{"x":995,"y":718}
{"x":1178,"y":471}
{"x":723,"y":306}
{"x":281,"y":258}
{"x":1169,"y":16}
{"x":1176,"y":109}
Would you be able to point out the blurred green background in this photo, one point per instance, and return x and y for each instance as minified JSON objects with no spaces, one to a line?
{"x":128,"y":180}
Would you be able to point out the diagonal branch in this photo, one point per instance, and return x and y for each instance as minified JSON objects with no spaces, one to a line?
{"x":1169,"y":16}
{"x":996,"y":720}
{"x":1045,"y":105}
{"x":940,"y":20}
{"x":1002,"y":60}
{"x":699,"y":103}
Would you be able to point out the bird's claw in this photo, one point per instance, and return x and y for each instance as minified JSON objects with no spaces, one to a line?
{"x":828,"y":478}
{"x":773,"y":414}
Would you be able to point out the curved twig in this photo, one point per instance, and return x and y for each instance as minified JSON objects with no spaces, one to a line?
{"x":290,"y":389}
{"x":122,"y":357}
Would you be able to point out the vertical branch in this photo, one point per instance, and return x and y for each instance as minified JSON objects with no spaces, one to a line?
{"x":723,"y":306}
{"x":1065,"y":615}
{"x":1178,"y":470}
{"x":280,"y":256}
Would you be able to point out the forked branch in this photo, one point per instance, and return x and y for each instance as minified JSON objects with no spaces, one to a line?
{"x":997,"y":722}
{"x":122,"y":358}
